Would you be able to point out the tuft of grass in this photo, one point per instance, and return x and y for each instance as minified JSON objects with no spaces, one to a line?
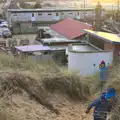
{"x":69,"y":84}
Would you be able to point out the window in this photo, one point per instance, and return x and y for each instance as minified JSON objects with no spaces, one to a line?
{"x":62,"y":13}
{"x":70,"y":13}
{"x":32,"y":14}
{"x":34,"y":24}
{"x":57,"y":14}
{"x":49,"y":14}
{"x":39,"y":13}
{"x":14,"y":14}
{"x":17,"y":24}
{"x":78,"y":13}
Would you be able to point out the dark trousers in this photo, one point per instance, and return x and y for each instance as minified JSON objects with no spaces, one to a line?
{"x":98,"y":119}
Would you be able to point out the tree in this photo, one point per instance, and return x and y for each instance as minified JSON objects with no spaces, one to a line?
{"x":37,"y":5}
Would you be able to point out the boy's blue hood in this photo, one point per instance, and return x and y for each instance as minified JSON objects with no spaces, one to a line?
{"x":110,"y":93}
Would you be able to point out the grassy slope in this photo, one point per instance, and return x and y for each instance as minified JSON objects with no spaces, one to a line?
{"x":61,"y":88}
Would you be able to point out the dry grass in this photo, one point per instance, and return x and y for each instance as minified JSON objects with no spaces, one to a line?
{"x":35,"y":81}
{"x":32,"y":82}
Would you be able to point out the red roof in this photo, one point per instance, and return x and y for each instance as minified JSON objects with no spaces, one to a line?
{"x":70,"y":28}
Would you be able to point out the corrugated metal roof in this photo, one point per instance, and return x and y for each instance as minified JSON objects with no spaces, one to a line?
{"x":70,"y":28}
{"x":109,"y":37}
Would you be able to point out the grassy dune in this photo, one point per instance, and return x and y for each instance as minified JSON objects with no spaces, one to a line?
{"x":46,"y":91}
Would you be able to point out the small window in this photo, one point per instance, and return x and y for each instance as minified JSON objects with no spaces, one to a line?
{"x":94,"y":65}
{"x":32,"y":14}
{"x":34,"y":24}
{"x":18,"y":24}
{"x":39,"y":13}
{"x":78,"y":13}
{"x":57,"y":14}
{"x":62,"y":13}
{"x":92,"y":12}
{"x":15,"y":15}
{"x":49,"y":14}
{"x":70,"y":13}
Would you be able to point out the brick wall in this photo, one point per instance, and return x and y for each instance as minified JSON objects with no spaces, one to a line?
{"x":117,"y":50}
{"x":115,"y":47}
{"x":108,"y":46}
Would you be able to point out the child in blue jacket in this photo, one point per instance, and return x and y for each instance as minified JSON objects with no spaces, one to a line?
{"x":103,"y":105}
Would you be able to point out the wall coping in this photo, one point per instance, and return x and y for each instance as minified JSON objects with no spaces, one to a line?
{"x":98,"y":50}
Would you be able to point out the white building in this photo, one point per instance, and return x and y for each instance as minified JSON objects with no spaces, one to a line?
{"x":85,"y":58}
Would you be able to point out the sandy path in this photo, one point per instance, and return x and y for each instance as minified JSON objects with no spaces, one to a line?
{"x":25,"y":109}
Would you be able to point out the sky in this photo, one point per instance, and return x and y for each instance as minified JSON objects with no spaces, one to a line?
{"x":105,"y":1}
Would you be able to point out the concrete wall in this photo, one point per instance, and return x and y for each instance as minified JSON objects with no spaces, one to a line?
{"x":42,"y":58}
{"x":86,"y":62}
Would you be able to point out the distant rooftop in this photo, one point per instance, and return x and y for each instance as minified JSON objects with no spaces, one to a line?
{"x":55,"y":9}
{"x":70,"y":28}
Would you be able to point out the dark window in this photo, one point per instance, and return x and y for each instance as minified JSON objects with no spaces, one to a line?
{"x":34,"y":24}
{"x":17,"y":24}
{"x":32,"y":14}
{"x":94,"y":65}
{"x":39,"y":13}
{"x":57,"y":14}
{"x":49,"y":14}
{"x":78,"y":13}
{"x":15,"y":15}
{"x":62,"y":13}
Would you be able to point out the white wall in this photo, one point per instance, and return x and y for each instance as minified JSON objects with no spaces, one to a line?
{"x":83,"y":63}
{"x":45,"y":17}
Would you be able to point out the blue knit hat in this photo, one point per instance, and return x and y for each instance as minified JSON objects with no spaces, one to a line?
{"x":110,"y":93}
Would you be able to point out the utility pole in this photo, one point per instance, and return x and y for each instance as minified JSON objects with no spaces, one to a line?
{"x":118,"y":10}
{"x":84,"y":4}
{"x":118,"y":5}
{"x":84,"y":9}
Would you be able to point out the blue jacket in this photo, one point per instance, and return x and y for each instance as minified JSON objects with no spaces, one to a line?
{"x":102,"y":73}
{"x":101,"y":106}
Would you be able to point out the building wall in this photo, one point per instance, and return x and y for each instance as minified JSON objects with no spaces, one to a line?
{"x":42,"y":58}
{"x":114,"y":47}
{"x":108,"y":46}
{"x":117,"y":50}
{"x":105,"y":45}
{"x":48,"y":16}
{"x":88,"y":63}
{"x":43,"y":17}
{"x":96,"y":42}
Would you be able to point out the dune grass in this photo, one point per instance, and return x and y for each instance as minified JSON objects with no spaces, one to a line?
{"x":16,"y":75}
